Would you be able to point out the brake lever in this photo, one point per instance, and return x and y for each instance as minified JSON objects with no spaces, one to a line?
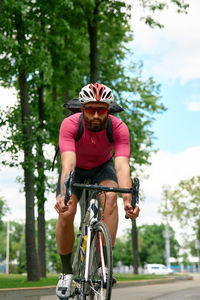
{"x":135,"y":193}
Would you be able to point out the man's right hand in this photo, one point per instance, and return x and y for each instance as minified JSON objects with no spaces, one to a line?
{"x":60,"y":206}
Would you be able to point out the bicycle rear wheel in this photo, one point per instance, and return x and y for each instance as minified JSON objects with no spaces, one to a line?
{"x":100,"y":265}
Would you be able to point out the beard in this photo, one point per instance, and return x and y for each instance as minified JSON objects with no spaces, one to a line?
{"x":95,"y":127}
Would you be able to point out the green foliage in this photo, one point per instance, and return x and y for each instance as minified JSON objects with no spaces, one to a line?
{"x":152,"y":6}
{"x":17,"y":245}
{"x":60,"y":50}
{"x":141,"y":101}
{"x":53,"y":257}
{"x":152,"y":244}
{"x":123,"y":252}
{"x":3,"y":210}
{"x":47,"y":45}
{"x":184,"y":203}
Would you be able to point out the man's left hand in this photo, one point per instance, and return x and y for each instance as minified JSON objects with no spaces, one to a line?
{"x":130,"y":212}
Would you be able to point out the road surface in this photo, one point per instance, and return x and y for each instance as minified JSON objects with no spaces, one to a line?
{"x":177,"y":290}
{"x":181,"y":290}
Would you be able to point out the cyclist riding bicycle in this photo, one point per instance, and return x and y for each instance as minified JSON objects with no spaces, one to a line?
{"x":91,"y":158}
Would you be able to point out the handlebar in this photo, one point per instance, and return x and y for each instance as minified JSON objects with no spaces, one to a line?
{"x":69,"y":183}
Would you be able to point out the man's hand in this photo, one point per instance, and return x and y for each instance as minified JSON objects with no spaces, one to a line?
{"x":60,"y":206}
{"x":130,"y":212}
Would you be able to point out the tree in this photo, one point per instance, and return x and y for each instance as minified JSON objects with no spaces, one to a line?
{"x":16,"y":247}
{"x":184,"y":203}
{"x":152,"y":244}
{"x":152,"y":6}
{"x":123,"y":251}
{"x":53,"y":258}
{"x":3,"y":210}
{"x":45,"y":55}
{"x":16,"y":51}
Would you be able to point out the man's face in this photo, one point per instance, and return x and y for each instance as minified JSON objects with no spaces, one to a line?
{"x":95,"y":115}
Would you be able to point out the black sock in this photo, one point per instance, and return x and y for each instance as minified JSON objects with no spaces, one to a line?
{"x":66,"y":263}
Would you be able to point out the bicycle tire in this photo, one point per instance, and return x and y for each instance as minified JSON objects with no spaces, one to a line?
{"x":98,"y":288}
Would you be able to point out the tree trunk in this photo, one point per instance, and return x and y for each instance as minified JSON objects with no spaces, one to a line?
{"x":41,"y":186}
{"x":31,"y":254}
{"x":92,"y":30}
{"x":41,"y":239}
{"x":28,"y":164}
{"x":135,"y":247}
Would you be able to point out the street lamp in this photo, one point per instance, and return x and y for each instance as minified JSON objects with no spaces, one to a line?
{"x":7,"y":247}
{"x":167,"y":245}
{"x":197,"y":247}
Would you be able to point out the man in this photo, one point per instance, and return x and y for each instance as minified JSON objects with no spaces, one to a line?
{"x":90,"y":157}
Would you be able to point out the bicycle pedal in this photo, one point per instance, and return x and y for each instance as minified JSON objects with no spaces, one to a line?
{"x":64,"y":289}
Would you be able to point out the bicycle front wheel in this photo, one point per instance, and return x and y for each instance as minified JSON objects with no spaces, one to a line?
{"x":100,"y":264}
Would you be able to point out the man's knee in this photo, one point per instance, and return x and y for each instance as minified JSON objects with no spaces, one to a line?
{"x":110,"y":204}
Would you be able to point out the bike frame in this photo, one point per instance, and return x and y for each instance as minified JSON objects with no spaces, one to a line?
{"x":91,"y":218}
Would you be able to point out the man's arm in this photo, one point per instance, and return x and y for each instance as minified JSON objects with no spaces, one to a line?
{"x":124,"y":180}
{"x":68,"y":159}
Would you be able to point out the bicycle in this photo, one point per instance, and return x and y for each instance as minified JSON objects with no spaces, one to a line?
{"x":92,"y":263}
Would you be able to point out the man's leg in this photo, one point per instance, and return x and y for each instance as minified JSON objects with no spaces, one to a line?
{"x":110,"y":209}
{"x":65,"y":235}
{"x":65,"y":241}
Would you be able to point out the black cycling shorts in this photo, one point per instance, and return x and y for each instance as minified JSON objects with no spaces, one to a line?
{"x":96,"y":175}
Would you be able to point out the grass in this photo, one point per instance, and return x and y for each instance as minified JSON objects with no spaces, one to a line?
{"x":128,"y":277}
{"x":18,"y":281}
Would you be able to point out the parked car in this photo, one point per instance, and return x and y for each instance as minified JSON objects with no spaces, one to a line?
{"x":157,"y":269}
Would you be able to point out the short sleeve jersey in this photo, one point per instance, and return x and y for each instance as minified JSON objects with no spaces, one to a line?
{"x":93,"y":149}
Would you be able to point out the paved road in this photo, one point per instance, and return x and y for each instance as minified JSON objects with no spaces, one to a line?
{"x":187,"y":290}
{"x":179,"y":290}
{"x":182,"y":290}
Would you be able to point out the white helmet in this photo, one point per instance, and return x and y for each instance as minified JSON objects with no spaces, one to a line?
{"x":96,"y":92}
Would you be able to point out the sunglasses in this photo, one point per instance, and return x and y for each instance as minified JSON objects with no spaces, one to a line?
{"x":93,"y":110}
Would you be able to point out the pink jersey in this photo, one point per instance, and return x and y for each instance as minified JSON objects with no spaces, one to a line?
{"x":94,"y":148}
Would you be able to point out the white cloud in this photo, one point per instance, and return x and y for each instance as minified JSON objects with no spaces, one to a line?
{"x":169,"y":169}
{"x":194,"y":106}
{"x":173,"y":49}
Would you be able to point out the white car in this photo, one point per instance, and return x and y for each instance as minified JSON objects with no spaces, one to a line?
{"x":157,"y":269}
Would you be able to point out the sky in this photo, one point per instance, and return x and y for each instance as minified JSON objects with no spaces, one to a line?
{"x":172,"y":57}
